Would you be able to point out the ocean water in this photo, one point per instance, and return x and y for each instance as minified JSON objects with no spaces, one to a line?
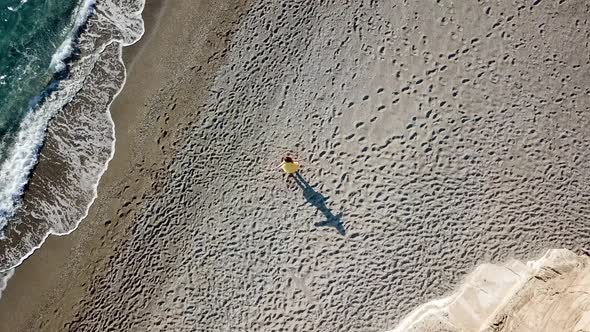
{"x":31,"y":33}
{"x":60,"y":69}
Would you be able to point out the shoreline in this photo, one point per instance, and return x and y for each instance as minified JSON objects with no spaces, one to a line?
{"x":53,"y":254}
{"x":19,"y":170}
{"x":44,"y":292}
{"x":10,"y":271}
{"x":73,"y":129}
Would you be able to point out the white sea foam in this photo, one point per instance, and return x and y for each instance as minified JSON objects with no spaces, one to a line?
{"x":14,"y":171}
{"x":14,"y":9}
{"x":4,"y":276}
{"x":65,"y":50}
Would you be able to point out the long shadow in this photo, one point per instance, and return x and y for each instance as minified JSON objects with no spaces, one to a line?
{"x":316,"y":199}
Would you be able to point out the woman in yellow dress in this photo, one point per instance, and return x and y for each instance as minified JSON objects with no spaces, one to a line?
{"x":290,"y":167}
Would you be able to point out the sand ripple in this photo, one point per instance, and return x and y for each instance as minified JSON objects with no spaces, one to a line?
{"x":439,"y":134}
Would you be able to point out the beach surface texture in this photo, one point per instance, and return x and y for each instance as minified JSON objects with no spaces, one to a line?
{"x":433,"y":136}
{"x":546,"y":295}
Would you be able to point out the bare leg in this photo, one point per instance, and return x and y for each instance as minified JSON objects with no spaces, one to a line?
{"x":289,"y":181}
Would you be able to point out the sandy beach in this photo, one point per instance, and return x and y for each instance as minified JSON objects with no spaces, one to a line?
{"x":547,"y":294}
{"x":433,"y":137}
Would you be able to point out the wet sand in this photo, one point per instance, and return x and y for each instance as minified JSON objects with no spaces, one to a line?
{"x":433,"y":137}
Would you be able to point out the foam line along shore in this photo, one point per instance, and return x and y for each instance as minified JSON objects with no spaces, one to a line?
{"x":68,"y":140}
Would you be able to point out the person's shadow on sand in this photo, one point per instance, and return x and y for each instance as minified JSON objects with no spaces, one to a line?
{"x":316,"y":199}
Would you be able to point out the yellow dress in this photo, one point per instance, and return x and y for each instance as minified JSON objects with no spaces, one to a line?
{"x":290,"y":168}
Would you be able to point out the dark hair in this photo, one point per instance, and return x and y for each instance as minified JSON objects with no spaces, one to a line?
{"x":288,"y":159}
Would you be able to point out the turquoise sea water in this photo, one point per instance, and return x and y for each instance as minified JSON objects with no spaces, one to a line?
{"x":31,"y":32}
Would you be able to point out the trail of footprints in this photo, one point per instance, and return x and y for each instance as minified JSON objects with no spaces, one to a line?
{"x":446,"y":134}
